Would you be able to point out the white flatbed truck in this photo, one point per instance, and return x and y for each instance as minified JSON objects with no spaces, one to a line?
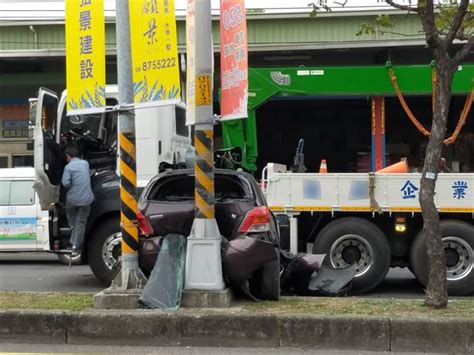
{"x":374,"y":220}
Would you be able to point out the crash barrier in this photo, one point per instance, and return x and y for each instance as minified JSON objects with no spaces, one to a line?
{"x":237,"y":329}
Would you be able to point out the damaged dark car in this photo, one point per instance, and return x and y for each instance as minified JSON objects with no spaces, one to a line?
{"x":252,"y":260}
{"x":250,"y":247}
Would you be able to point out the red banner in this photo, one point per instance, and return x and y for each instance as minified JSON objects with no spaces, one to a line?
{"x":234,"y":60}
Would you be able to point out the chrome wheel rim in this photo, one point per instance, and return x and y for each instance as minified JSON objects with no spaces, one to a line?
{"x":111,"y":250}
{"x":352,"y":248}
{"x":463,"y":252}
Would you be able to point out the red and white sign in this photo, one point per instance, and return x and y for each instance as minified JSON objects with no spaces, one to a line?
{"x":234,"y":60}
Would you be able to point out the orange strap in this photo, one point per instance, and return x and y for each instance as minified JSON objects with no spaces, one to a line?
{"x":410,"y":114}
{"x":462,"y":119}
{"x":418,"y":124}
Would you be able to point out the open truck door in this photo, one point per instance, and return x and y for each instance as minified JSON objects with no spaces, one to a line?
{"x":49,"y":159}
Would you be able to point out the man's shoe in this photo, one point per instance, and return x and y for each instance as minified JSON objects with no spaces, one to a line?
{"x":75,"y":251}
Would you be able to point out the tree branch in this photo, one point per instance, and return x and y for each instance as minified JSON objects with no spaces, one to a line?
{"x":401,"y":7}
{"x":457,"y":22}
{"x":463,"y":52}
{"x":427,"y":16}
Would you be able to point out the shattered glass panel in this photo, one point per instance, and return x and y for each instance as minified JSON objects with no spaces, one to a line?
{"x":166,"y":282}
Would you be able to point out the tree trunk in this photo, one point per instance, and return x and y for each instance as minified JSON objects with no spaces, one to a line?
{"x":436,"y":290}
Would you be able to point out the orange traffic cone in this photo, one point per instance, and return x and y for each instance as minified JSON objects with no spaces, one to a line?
{"x":323,"y":168}
{"x":397,"y":168}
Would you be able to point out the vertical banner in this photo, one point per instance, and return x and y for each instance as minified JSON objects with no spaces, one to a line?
{"x":200,"y":63}
{"x":154,"y":53}
{"x":234,"y":60}
{"x":85,"y":56}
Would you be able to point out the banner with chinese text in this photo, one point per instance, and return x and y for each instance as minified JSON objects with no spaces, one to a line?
{"x":85,"y":56}
{"x":154,"y":53}
{"x":234,"y":60}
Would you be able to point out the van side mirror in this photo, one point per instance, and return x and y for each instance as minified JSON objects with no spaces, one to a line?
{"x":33,"y":106}
{"x":33,"y":103}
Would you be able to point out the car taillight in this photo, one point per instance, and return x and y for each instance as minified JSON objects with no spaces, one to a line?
{"x":256,"y":220}
{"x":143,"y":224}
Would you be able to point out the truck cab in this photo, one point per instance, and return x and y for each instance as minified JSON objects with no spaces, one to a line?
{"x":162,"y":137}
{"x":162,"y":141}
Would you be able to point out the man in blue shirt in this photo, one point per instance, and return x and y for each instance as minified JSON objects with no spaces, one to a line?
{"x":79,"y":196}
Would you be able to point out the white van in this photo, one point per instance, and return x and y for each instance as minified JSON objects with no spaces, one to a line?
{"x":23,"y":225}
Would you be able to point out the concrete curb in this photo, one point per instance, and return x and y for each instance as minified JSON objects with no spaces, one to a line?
{"x":236,"y":329}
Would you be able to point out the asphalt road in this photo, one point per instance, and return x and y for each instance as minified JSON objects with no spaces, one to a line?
{"x":42,"y":272}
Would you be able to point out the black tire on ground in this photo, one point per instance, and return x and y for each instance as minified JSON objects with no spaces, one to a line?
{"x":101,"y":258}
{"x":356,"y":240}
{"x":270,"y":279}
{"x":460,"y":257}
{"x":76,"y":260}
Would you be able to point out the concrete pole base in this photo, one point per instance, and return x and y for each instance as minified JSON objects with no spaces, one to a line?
{"x":130,"y":279}
{"x":203,"y":257}
{"x":207,"y":299}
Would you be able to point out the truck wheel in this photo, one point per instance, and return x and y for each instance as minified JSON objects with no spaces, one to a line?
{"x":270,"y":279}
{"x":355,"y":240}
{"x":105,"y":248}
{"x":458,"y":240}
{"x":76,"y":259}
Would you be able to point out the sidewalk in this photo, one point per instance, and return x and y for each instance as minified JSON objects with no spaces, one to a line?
{"x":235,"y":327}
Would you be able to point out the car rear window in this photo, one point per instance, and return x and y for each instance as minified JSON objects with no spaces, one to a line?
{"x":181,"y":188}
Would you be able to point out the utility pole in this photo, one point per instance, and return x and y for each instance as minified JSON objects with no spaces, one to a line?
{"x":203,"y":257}
{"x":131,"y":277}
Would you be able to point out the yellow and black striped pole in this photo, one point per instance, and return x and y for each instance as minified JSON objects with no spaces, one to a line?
{"x":128,"y":194}
{"x":204,"y":172}
{"x":130,"y":278}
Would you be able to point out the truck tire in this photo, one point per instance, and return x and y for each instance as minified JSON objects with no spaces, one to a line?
{"x":270,"y":279}
{"x":348,"y":240}
{"x":458,"y":240}
{"x":76,"y":259}
{"x":104,"y":249}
